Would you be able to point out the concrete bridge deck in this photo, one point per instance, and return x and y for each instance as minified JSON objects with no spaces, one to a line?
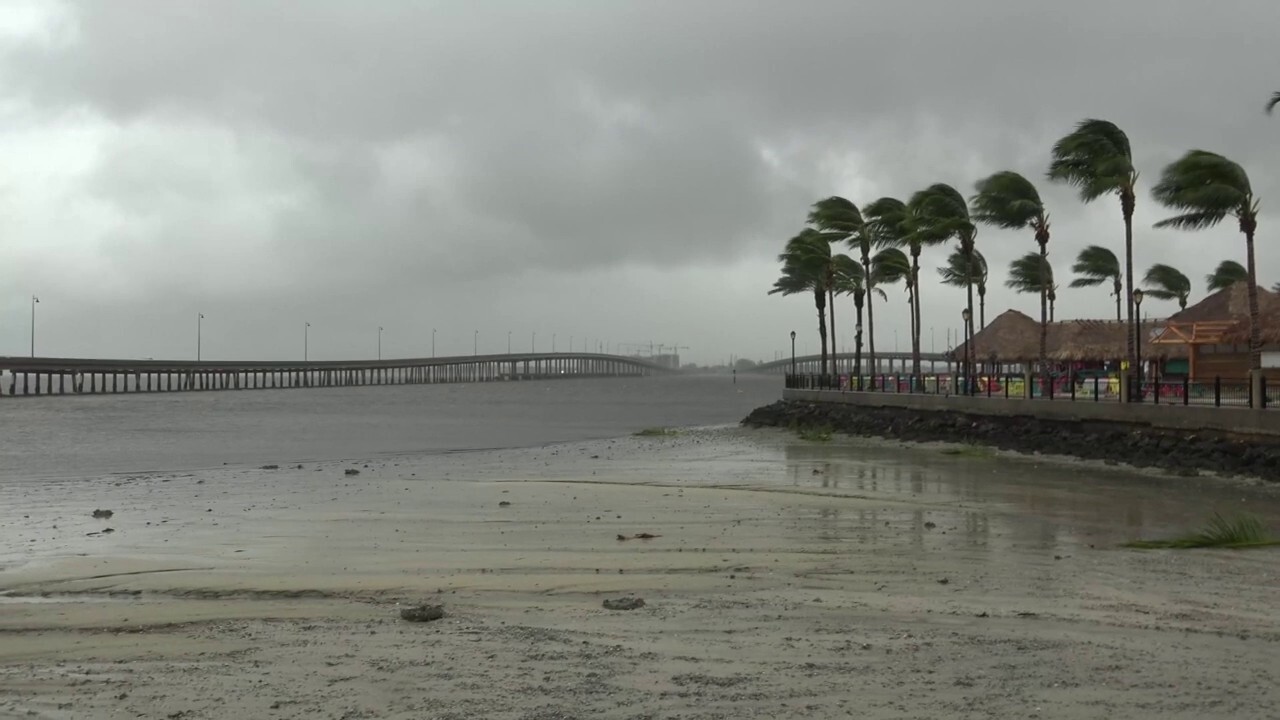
{"x":887,"y":362}
{"x":72,"y":376}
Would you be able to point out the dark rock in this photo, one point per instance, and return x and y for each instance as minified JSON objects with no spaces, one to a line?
{"x":422,"y":613}
{"x":623,"y":603}
{"x":269,"y":467}
{"x":352,"y":471}
{"x":103,"y":514}
{"x":504,"y":503}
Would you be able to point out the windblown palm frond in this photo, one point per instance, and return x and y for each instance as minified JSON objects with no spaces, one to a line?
{"x":959,"y":273}
{"x":1165,"y":282}
{"x":1094,"y":266}
{"x":1008,"y":200}
{"x":1205,"y":188}
{"x":1025,"y":274}
{"x":1095,"y":159}
{"x":891,"y":265}
{"x":1275,"y":100}
{"x":1228,"y":273}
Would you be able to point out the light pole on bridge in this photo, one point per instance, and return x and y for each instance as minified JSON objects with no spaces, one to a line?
{"x":475,"y":343}
{"x":34,"y":301}
{"x":793,"y":353}
{"x":433,"y":342}
{"x":306,"y":340}
{"x":379,"y":342}
{"x":508,"y":342}
{"x":533,"y":343}
{"x":199,"y":333}
{"x":553,"y":342}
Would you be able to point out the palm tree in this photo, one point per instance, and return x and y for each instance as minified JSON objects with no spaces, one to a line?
{"x":893,"y":222}
{"x":1096,"y":265}
{"x":1032,"y":273}
{"x":1166,"y":282}
{"x":842,"y":219}
{"x":851,"y":280}
{"x":888,"y":266}
{"x":946,"y":215}
{"x":1271,"y":104}
{"x":1205,"y":188}
{"x":958,"y":273}
{"x":1008,"y":200}
{"x":1228,"y":273}
{"x":1095,"y":158}
{"x":804,"y":269}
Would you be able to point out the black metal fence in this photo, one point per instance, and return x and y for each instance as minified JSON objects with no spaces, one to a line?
{"x":1219,"y":392}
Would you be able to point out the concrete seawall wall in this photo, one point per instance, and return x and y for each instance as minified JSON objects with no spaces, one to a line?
{"x":1239,"y":421}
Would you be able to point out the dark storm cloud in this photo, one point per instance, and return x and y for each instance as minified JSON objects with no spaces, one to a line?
{"x":279,"y":149}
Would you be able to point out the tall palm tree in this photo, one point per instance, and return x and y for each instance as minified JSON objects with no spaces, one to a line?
{"x":1008,"y":200}
{"x":889,"y":266}
{"x":804,"y":270}
{"x":946,"y":215}
{"x":1205,"y":188}
{"x":1032,"y":273}
{"x":1095,"y":158}
{"x":893,"y":222}
{"x":1228,"y":273}
{"x":1096,"y":265}
{"x":852,"y":281}
{"x":958,"y":273}
{"x":1165,"y":282}
{"x":842,"y":219}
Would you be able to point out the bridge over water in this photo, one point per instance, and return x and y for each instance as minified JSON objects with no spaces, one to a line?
{"x":73,"y":376}
{"x":887,"y":362}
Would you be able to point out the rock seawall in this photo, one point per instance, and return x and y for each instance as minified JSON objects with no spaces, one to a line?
{"x":1129,"y":443}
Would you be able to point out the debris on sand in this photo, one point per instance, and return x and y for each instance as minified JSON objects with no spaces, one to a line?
{"x":504,"y":503}
{"x":637,"y":536}
{"x":269,"y":467}
{"x":422,"y":613}
{"x":623,"y":603}
{"x":352,"y":471}
{"x":103,"y":514}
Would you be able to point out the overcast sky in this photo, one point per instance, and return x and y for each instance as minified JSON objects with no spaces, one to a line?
{"x":590,"y":168}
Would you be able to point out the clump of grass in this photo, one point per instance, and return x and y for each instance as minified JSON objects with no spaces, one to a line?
{"x":1240,"y":531}
{"x":657,"y":432}
{"x":815,"y":433}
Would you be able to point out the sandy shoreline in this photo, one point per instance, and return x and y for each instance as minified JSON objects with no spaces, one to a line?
{"x":788,"y":580}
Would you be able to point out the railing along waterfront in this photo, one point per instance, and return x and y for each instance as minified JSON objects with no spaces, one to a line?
{"x":68,"y":376}
{"x":1219,"y":392}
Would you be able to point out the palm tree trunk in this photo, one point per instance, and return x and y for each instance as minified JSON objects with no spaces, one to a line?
{"x":1255,"y":329}
{"x":871,"y":321}
{"x":857,"y":342}
{"x":1042,"y":237}
{"x":831,"y":296}
{"x":982,"y":307}
{"x":1117,"y":288}
{"x":915,"y":312}
{"x":820,"y":301}
{"x":1127,"y":202}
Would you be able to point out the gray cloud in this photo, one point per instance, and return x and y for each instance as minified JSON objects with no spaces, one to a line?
{"x":488,"y":164}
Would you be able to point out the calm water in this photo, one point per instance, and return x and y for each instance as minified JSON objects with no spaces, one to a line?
{"x":125,"y":433}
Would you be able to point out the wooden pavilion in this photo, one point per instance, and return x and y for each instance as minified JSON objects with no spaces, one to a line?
{"x":1214,"y":333}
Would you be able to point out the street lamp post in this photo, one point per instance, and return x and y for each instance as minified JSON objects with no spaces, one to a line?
{"x":306,"y":341}
{"x":379,"y":342}
{"x":433,"y":342}
{"x":34,"y":301}
{"x":793,"y":354}
{"x":475,"y":343}
{"x":199,"y":333}
{"x":1137,"y":339}
{"x":968,"y":335}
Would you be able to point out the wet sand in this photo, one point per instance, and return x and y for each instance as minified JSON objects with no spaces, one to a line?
{"x":788,"y":579}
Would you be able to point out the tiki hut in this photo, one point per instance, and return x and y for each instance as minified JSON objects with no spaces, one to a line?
{"x":1010,"y":338}
{"x":1014,"y":338}
{"x":1214,"y":333}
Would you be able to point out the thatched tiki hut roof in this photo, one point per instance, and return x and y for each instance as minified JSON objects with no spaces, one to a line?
{"x":1009,"y":338}
{"x":1223,"y":319}
{"x":1015,"y":338}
